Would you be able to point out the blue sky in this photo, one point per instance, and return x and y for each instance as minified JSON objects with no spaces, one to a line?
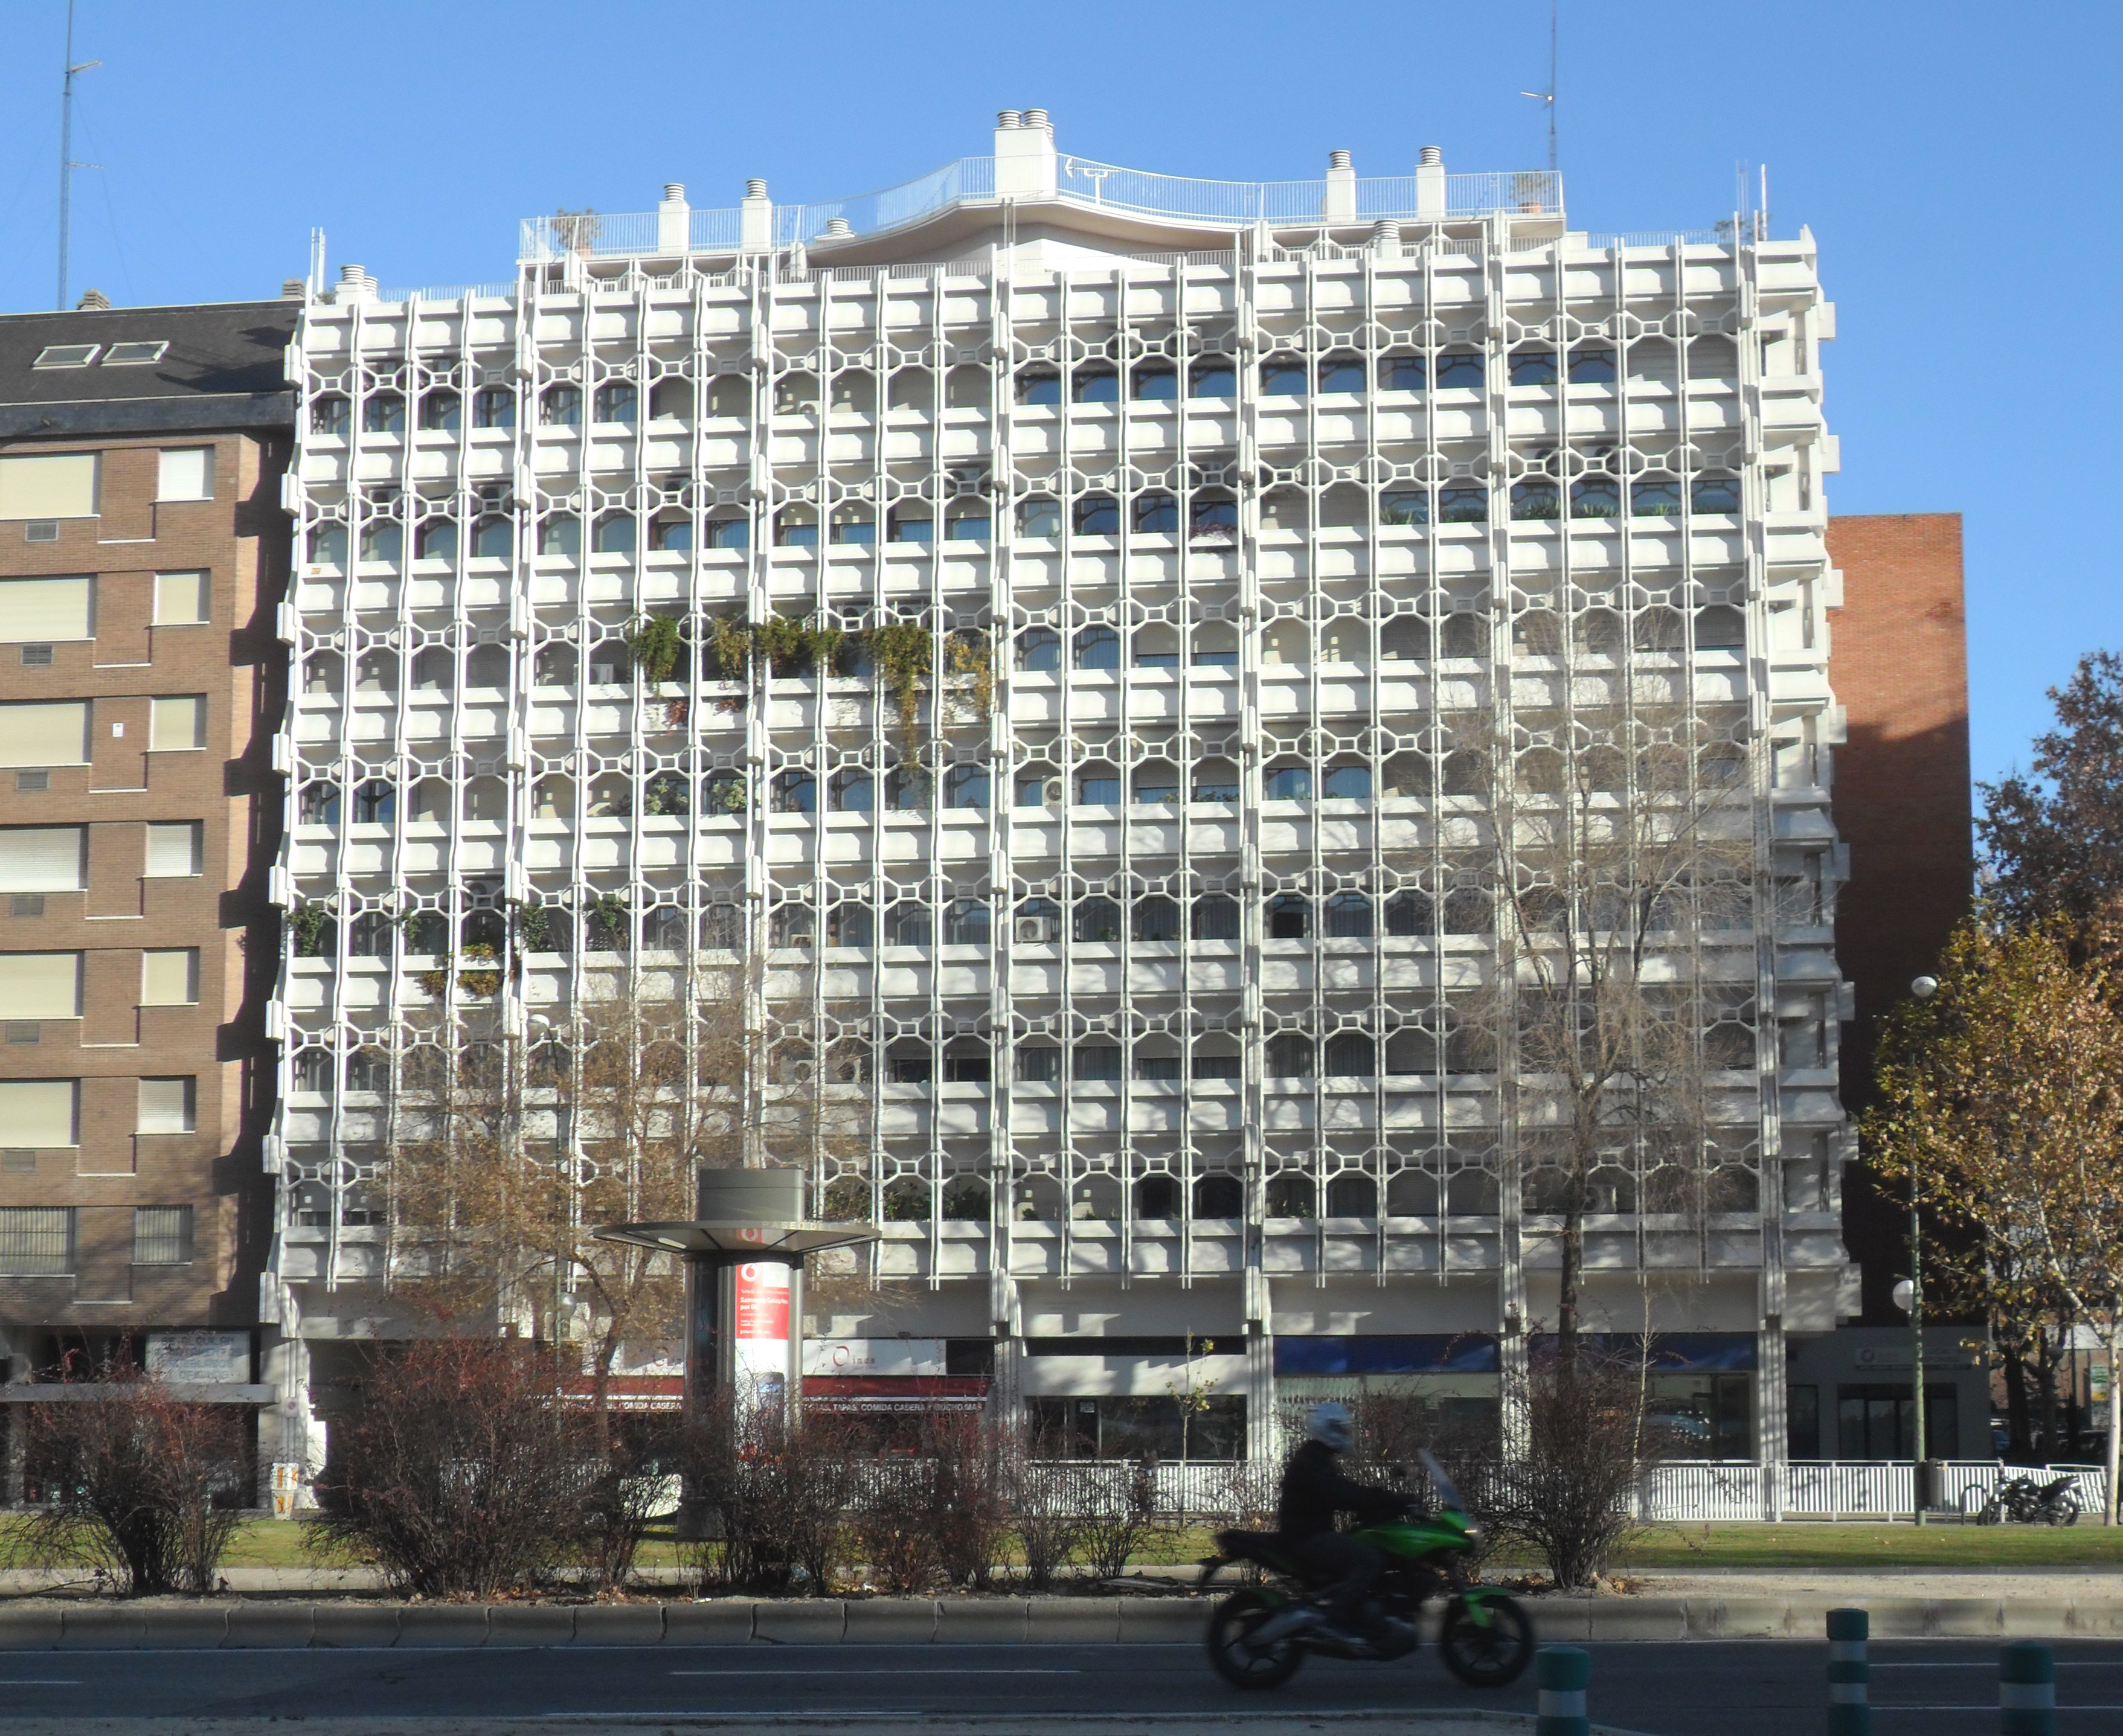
{"x":1957,"y":163}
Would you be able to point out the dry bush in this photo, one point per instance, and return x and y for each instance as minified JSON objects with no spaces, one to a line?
{"x":968,"y":1453}
{"x":1047,"y":1504}
{"x":895,"y":1524}
{"x":1569,"y":1497}
{"x":776,"y":1496}
{"x":1119,"y":1519}
{"x":465,"y":1475}
{"x":147,"y":1487}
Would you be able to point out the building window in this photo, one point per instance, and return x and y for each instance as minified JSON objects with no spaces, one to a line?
{"x":729,"y":533}
{"x":1098,"y":647}
{"x":161,"y":1235}
{"x":852,"y":791}
{"x":1039,"y":515}
{"x":1341,"y":374}
{"x":383,"y":413}
{"x":907,"y":789}
{"x":1155,"y":920}
{"x":442,"y":411}
{"x":1592,"y":368}
{"x":1097,"y":515}
{"x":1348,"y":917}
{"x":1156,"y":514}
{"x":493,"y":539}
{"x":1099,"y":786}
{"x":66,"y":355}
{"x":184,"y":473}
{"x":1402,"y":374}
{"x":1404,"y":507}
{"x":1216,"y":780}
{"x":1096,"y":1063}
{"x":1212,"y":377}
{"x":382,"y":542}
{"x":561,"y":406}
{"x":1283,"y":378}
{"x":437,"y":539}
{"x":331,"y":416}
{"x":175,"y":849}
{"x":913,"y":523}
{"x":494,"y":406}
{"x":1215,"y":917}
{"x":966,"y":786}
{"x":1094,"y":385}
{"x":617,"y":401}
{"x":852,"y":527}
{"x":1039,"y":386}
{"x":1655,"y":496}
{"x":1212,"y":518}
{"x":1156,"y":783}
{"x":1097,"y":922}
{"x":1038,"y":1063}
{"x":375,"y":802}
{"x":169,"y":1106}
{"x":1715,"y":494}
{"x":1596,"y":497}
{"x":1287,"y":784}
{"x":966,"y":924}
{"x":1038,"y":650}
{"x":1350,"y":1055}
{"x":1532,"y":367}
{"x":36,"y":1241}
{"x":1347,"y":783}
{"x":1468,"y":504}
{"x":1154,"y":383}
{"x":966,"y":521}
{"x":1289,"y":917}
{"x":794,"y":792}
{"x":1536,"y":497}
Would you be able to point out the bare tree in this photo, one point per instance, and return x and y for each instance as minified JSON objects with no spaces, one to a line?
{"x":1623,"y":855}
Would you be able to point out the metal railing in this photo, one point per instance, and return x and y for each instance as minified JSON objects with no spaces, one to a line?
{"x":1102,"y":186}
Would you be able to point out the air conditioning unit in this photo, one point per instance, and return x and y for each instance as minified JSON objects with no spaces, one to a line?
{"x":1035,"y":931}
{"x":1051,"y":794}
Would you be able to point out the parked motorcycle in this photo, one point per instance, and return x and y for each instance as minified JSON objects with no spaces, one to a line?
{"x":1260,"y":1634}
{"x":2025,"y":1502}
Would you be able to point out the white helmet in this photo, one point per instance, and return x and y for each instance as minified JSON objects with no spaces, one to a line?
{"x":1331,"y":1425}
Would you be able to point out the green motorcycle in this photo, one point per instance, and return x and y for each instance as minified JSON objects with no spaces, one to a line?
{"x":1261,"y":1632}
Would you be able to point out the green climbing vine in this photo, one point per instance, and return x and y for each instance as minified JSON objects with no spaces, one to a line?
{"x":657,"y":645}
{"x":967,"y":660}
{"x":607,"y":915}
{"x":534,"y":925}
{"x":310,"y":921}
{"x":903,"y":652}
{"x":480,"y":974}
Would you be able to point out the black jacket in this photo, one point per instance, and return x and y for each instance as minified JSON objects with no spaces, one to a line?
{"x":1313,"y":1490}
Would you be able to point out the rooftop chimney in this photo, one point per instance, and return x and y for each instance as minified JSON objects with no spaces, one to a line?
{"x":356,"y":284}
{"x":756,"y":219}
{"x":837,"y":228}
{"x":293,"y":289}
{"x":92,"y":301}
{"x":1386,"y":238}
{"x":1430,"y":182}
{"x":1339,"y":206}
{"x":674,"y":221}
{"x":1024,"y":166}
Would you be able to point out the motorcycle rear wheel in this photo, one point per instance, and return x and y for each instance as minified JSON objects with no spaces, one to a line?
{"x":2063,"y":1509}
{"x":1233,"y":1656}
{"x":1491,"y":1656}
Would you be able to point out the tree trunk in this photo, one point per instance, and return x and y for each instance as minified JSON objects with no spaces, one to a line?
{"x":2115,"y":1416}
{"x":2019,"y":1421}
{"x":2045,"y":1371}
{"x":1574,"y":1268}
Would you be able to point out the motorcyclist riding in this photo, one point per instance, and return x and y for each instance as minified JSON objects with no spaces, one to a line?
{"x":1313,"y":1490}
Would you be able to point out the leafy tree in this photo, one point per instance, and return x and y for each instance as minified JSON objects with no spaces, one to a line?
{"x":2055,"y":839}
{"x":2002,"y":1097}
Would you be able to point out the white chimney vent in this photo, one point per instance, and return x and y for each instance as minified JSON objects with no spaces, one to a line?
{"x":1339,"y":205}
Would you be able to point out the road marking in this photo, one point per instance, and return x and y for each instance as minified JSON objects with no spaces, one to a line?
{"x":1883,"y":1706}
{"x":37,"y":1681}
{"x":872,"y":1674}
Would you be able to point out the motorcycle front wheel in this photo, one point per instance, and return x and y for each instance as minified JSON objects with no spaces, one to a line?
{"x":1490,"y":1655}
{"x":1232,"y":1652}
{"x":2063,"y":1509}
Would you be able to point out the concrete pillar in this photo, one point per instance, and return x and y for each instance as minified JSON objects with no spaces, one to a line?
{"x":674,"y":221}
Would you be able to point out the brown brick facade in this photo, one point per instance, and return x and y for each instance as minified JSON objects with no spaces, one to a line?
{"x":240,"y":539}
{"x":1898,"y":664}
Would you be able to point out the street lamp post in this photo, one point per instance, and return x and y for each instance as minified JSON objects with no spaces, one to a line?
{"x":1924,"y":988}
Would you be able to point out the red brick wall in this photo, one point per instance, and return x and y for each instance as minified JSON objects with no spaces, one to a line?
{"x":1898,"y":661}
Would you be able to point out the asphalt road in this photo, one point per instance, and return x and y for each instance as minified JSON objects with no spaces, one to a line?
{"x":1739,"y":1688}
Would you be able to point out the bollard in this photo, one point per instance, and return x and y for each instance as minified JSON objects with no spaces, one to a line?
{"x":1562,"y":1673}
{"x":2026,"y":1690}
{"x":1849,"y":1712}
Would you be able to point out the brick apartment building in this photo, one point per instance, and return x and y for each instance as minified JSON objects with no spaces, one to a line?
{"x":142,"y":556}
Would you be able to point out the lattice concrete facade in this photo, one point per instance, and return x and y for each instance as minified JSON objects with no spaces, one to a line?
{"x":1143,"y":954}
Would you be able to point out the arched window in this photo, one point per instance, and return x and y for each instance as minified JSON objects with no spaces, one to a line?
{"x":1404,"y":507}
{"x":1157,"y":1196}
{"x":1098,"y":647}
{"x":670,"y":536}
{"x":1287,"y":782}
{"x":727,"y":531}
{"x":1283,"y":376}
{"x":615,"y":534}
{"x":494,"y":406}
{"x":1290,"y":1195}
{"x":1596,"y":497}
{"x":1532,"y":367}
{"x":907,"y":788}
{"x":1156,"y":514}
{"x":383,"y":413}
{"x":494,"y":538}
{"x":437,"y":539}
{"x":966,"y":786}
{"x":671,"y":400}
{"x":1535,"y":497}
{"x":1212,"y":517}
{"x":1463,"y":503}
{"x":1215,"y":916}
{"x":1219,"y":1196}
{"x":375,"y":802}
{"x":1348,"y":917}
{"x":1216,"y":780}
{"x":382,"y":542}
{"x":560,"y":406}
{"x":968,"y":1061}
{"x":852,"y":790}
{"x":330,"y":414}
{"x":796,"y":527}
{"x":441,"y":410}
{"x":966,"y":923}
{"x":1408,"y":913}
{"x":1038,"y":385}
{"x":1720,"y":627}
{"x":1403,"y":374}
{"x":318,"y":805}
{"x":1156,"y":782}
{"x":1351,"y":1055}
{"x":1342,"y":372}
{"x":1095,"y":385}
{"x":1212,"y":376}
{"x":1347,"y":783}
{"x":1655,"y":496}
{"x":315,"y":1071}
{"x":617,"y":401}
{"x":1289,"y":917}
{"x":1591,"y":366}
{"x":1155,"y":920}
{"x":1039,"y":515}
{"x":849,"y":924}
{"x":1098,"y":785}
{"x":328,"y":546}
{"x":1352,"y":1196}
{"x":907,"y":923}
{"x":1154,"y":382}
{"x":913,"y":521}
{"x":1097,"y":921}
{"x":560,"y":535}
{"x":1097,"y":515}
{"x":852,"y":527}
{"x":795,"y":791}
{"x":1715,"y":494}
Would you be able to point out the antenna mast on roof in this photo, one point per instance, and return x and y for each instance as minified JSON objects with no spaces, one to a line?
{"x":1548,"y":96}
{"x":67,"y":164}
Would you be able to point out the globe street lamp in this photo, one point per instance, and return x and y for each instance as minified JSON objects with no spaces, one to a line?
{"x":1909,"y":1294}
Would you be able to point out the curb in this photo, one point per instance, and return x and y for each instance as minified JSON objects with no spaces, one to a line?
{"x":244,"y":1626}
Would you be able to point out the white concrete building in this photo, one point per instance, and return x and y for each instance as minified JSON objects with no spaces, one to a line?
{"x":1257,"y":492}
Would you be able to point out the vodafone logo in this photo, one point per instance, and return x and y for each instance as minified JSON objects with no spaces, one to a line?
{"x":752,"y":1235}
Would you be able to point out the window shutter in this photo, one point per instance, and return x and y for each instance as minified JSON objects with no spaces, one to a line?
{"x":179,"y":723}
{"x":173,"y":850}
{"x":39,"y":1112}
{"x":168,"y":976}
{"x":186,"y":474}
{"x":32,"y":609}
{"x":47,"y":732}
{"x":181,"y":598}
{"x":49,"y":485}
{"x":167,"y":1106}
{"x":40,"y":985}
{"x":42,"y":859}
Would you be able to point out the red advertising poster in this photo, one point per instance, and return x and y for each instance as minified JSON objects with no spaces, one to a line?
{"x":762,"y":1302}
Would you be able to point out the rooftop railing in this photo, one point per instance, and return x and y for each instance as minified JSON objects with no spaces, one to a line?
{"x":1078,"y":180}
